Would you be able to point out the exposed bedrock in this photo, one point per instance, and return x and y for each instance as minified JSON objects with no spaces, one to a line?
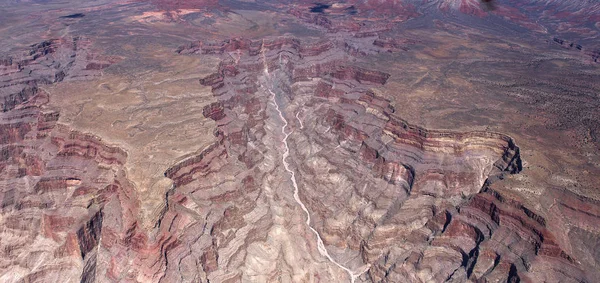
{"x":47,"y":62}
{"x":411,"y":204}
{"x":352,"y":16}
{"x":62,"y":192}
{"x":391,"y":201}
{"x":56,"y":185}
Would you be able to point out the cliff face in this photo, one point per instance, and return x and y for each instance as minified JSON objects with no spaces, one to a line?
{"x":312,"y":176}
{"x":48,"y":62}
{"x":389,"y":200}
{"x":55,"y":181}
{"x":310,"y":166}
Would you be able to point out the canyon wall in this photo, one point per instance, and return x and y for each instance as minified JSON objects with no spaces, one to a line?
{"x":300,"y":129}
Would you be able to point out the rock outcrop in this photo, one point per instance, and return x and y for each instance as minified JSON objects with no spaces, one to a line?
{"x":55,"y":184}
{"x":408,"y":203}
{"x":594,"y":54}
{"x":313,"y":176}
{"x":55,"y":181}
{"x":47,"y":62}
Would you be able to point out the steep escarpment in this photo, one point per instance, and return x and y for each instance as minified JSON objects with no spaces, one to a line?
{"x":69,"y":212}
{"x":400,"y":180}
{"x":313,"y":175}
{"x":290,"y":153}
{"x":56,"y":183}
{"x":407,"y":203}
{"x":44,"y":63}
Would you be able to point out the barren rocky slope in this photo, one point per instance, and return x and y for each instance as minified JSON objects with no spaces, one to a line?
{"x":406,"y":199}
{"x":162,"y":149}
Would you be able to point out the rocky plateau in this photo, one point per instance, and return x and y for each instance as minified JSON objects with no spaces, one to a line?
{"x":264,"y":141}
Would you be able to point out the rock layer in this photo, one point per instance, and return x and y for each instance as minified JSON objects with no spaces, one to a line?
{"x":55,"y":181}
{"x":413,"y":204}
{"x":408,"y":203}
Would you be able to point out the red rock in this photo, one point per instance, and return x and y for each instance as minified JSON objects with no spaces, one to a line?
{"x":214,"y":111}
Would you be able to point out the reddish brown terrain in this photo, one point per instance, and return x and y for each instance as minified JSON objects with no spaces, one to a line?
{"x":288,"y":141}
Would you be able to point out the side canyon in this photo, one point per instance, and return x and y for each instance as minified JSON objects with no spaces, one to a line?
{"x":282,"y":157}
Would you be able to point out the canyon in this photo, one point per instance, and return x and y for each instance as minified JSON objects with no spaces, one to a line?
{"x":351,"y":142}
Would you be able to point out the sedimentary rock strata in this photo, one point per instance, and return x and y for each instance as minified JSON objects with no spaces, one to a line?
{"x":55,"y":184}
{"x":311,"y":173}
{"x":389,"y":200}
{"x":47,"y":62}
{"x":55,"y":181}
{"x":386,"y":200}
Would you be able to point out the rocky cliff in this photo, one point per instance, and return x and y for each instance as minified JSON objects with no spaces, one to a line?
{"x":312,"y":176}
{"x":388,"y":200}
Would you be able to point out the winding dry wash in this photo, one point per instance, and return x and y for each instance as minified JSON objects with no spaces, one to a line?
{"x":320,"y":245}
{"x":285,"y":141}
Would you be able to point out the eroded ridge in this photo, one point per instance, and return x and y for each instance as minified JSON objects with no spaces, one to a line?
{"x":47,"y":62}
{"x":312,"y":177}
{"x":320,"y":246}
{"x":258,"y":138}
{"x":56,"y":185}
{"x":372,"y":184}
{"x":393,"y":179}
